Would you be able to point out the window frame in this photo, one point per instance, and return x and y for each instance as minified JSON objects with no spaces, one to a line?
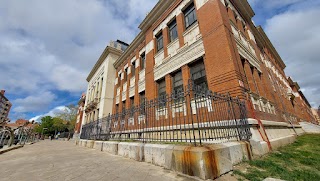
{"x":190,"y":10}
{"x":159,"y":41}
{"x":200,"y":81}
{"x":178,"y":90}
{"x":173,"y":28}
{"x":133,"y":69}
{"x":143,"y":61}
{"x":162,"y":92}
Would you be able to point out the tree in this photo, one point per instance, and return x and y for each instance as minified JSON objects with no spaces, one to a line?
{"x":69,"y":114}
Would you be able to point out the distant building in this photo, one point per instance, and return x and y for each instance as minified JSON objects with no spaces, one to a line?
{"x":5,"y":106}
{"x":80,"y":113}
{"x":316,"y":114}
{"x":99,"y":97}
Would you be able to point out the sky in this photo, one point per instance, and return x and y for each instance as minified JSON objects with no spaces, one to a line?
{"x":48,"y":49}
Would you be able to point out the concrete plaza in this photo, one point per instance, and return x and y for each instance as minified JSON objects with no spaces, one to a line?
{"x":62,"y":160}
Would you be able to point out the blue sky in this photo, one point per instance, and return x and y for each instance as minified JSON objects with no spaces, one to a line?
{"x":48,"y":49}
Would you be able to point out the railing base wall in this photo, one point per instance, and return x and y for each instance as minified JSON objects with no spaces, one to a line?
{"x":206,"y":162}
{"x":279,"y":134}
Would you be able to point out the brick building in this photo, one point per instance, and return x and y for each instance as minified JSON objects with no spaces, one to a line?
{"x":80,"y":113}
{"x":5,"y":106}
{"x":316,"y":114}
{"x":215,"y":44}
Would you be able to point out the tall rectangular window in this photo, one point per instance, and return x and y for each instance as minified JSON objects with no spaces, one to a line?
{"x":125,"y":74}
{"x":123,"y":106}
{"x":162,"y":92}
{"x":117,"y":108}
{"x":162,"y":88}
{"x":131,"y":102}
{"x":198,"y":75}
{"x":177,"y":86}
{"x":143,"y":61}
{"x":159,"y":39}
{"x":190,"y":16}
{"x":173,"y":32}
{"x":133,"y":69}
{"x":142,"y":103}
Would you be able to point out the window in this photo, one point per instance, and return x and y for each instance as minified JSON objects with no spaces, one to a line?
{"x":162,"y":88}
{"x":198,"y":75}
{"x":177,"y":86}
{"x":123,"y":106}
{"x":143,"y":60}
{"x":125,"y":74}
{"x":133,"y":69}
{"x":131,"y":102}
{"x":132,"y":106}
{"x":173,"y":33}
{"x":117,"y":108}
{"x":142,"y":103}
{"x":190,"y":16}
{"x":159,"y":38}
{"x":123,"y":109}
{"x":162,"y":92}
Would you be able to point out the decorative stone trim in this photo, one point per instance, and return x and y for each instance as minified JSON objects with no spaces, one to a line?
{"x":173,"y":47}
{"x":132,"y":81}
{"x":149,"y":47}
{"x":124,"y":95}
{"x":158,"y":58}
{"x":131,"y":91}
{"x":192,"y":34}
{"x":185,"y":55}
{"x":142,"y":86}
{"x":124,"y":88}
{"x":244,"y":47}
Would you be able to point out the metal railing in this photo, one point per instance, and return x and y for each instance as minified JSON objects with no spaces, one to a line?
{"x":195,"y":115}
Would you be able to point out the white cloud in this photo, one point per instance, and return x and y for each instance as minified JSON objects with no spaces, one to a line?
{"x":52,"y":45}
{"x":34,"y":103}
{"x":295,"y":35}
{"x":51,"y":113}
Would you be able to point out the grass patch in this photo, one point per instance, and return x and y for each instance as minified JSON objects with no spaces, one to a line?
{"x":298,"y":161}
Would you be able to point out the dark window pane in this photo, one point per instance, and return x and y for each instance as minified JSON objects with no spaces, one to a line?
{"x":143,"y":60}
{"x":142,"y":103}
{"x":190,"y":16}
{"x":173,"y":32}
{"x":133,"y":69}
{"x":198,"y":75}
{"x":159,"y":38}
{"x":178,"y":87}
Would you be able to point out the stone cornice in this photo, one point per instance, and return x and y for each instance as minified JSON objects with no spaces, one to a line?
{"x":269,"y":45}
{"x":103,"y":56}
{"x":244,"y":8}
{"x":133,"y":45}
{"x":155,"y":13}
{"x":152,"y":17}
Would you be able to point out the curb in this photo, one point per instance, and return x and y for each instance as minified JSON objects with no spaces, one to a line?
{"x":9,"y":149}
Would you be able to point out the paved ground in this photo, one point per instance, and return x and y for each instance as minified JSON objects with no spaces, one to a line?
{"x":60,"y":160}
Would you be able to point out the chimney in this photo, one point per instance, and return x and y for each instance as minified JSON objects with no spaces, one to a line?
{"x":2,"y":92}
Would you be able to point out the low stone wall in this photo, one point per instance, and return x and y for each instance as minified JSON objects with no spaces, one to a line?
{"x":278,"y":133}
{"x":206,"y":162}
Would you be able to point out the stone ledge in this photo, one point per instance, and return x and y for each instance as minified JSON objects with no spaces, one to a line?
{"x":133,"y":151}
{"x":97,"y":145}
{"x":206,"y":162}
{"x":4,"y":150}
{"x":110,"y":147}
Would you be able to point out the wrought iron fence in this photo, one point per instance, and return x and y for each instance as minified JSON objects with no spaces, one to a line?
{"x":195,"y":115}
